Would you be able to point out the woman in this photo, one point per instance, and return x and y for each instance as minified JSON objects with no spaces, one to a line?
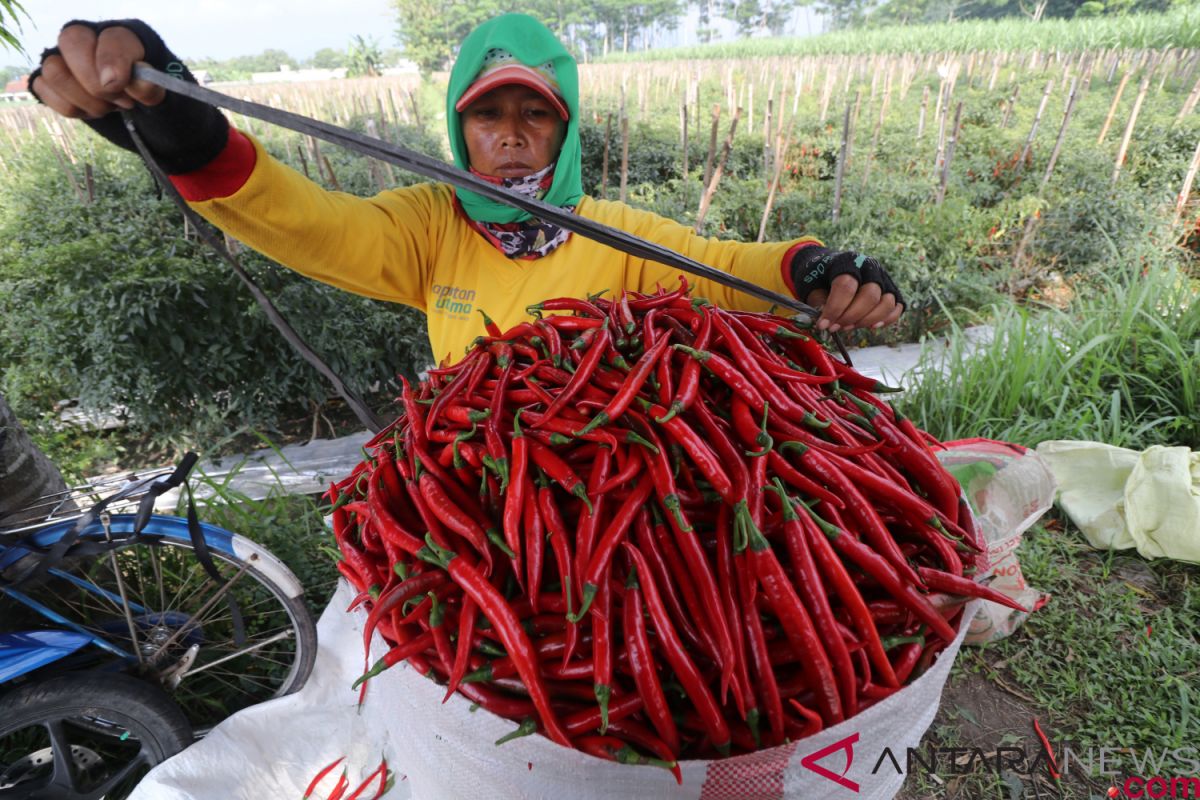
{"x":512,"y":113}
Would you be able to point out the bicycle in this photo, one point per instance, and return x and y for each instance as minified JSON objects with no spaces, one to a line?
{"x":130,"y":632}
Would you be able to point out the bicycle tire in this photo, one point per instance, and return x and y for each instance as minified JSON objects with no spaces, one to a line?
{"x":113,"y":727}
{"x":269,"y":595}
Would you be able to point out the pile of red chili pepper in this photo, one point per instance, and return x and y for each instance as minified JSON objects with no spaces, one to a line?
{"x":652,"y":529}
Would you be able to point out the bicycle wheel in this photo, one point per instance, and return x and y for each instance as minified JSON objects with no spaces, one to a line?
{"x":78,"y":737}
{"x":156,"y":602}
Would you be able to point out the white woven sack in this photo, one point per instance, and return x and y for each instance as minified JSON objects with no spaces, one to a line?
{"x":448,"y":752}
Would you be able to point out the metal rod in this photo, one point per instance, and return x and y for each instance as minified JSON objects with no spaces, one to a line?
{"x":448,"y":173}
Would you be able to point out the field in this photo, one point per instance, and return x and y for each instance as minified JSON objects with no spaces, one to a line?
{"x":1043,"y":189}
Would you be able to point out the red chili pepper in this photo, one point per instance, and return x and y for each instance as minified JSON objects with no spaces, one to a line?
{"x":560,"y":543}
{"x":689,"y":382}
{"x":641,"y":662}
{"x":582,"y":375}
{"x":462,"y":649}
{"x":677,"y":656}
{"x":698,"y":450}
{"x":835,"y":571}
{"x":882,"y":571}
{"x":614,"y":534}
{"x":317,"y":779}
{"x":797,"y":624}
{"x":602,"y":651}
{"x":678,"y":592}
{"x":535,"y":545}
{"x":515,"y":640}
{"x":809,"y":584}
{"x":456,"y":387}
{"x":629,"y":389}
{"x":558,"y":470}
{"x":697,"y":562}
{"x":572,"y":304}
{"x":727,"y":372}
{"x":958,"y":585}
{"x":453,"y":517}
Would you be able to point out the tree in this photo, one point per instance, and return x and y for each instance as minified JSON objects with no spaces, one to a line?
{"x":432,"y":30}
{"x":758,"y":16}
{"x":328,"y":58}
{"x":364,"y":57}
{"x":9,"y":9}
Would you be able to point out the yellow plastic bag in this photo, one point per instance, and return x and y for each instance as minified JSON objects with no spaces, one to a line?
{"x":1121,"y":498}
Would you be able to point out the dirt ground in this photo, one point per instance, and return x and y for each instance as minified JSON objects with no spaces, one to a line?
{"x":985,"y":716}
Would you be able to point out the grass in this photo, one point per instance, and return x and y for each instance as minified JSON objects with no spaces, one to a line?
{"x":1178,"y":28}
{"x":1111,"y":660}
{"x":1121,"y":364}
{"x":292,"y":526}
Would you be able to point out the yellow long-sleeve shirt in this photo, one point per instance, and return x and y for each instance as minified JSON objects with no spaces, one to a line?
{"x":413,"y":246}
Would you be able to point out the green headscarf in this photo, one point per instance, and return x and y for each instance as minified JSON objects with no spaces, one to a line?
{"x":532,"y":44}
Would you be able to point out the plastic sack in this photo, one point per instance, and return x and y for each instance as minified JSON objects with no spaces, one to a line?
{"x":1123,"y":498}
{"x":443,"y":751}
{"x":1009,"y":488}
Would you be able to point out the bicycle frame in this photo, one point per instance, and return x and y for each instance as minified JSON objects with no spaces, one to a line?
{"x":117,"y":527}
{"x":26,"y":651}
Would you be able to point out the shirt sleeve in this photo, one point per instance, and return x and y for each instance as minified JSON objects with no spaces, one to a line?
{"x":379,"y":247}
{"x":766,"y":264}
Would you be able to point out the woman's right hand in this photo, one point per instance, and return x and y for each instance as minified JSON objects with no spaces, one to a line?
{"x":88,"y":74}
{"x":88,"y":77}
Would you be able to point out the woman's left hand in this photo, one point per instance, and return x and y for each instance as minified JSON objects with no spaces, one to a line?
{"x":852,"y":290}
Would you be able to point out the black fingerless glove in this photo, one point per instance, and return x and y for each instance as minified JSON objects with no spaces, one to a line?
{"x":815,"y":267}
{"x":184,"y":134}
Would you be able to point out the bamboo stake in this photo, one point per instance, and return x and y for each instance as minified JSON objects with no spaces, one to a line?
{"x":711,"y":189}
{"x":1062,"y":132}
{"x":683,"y":133}
{"x":1186,"y":191}
{"x":604,"y":165}
{"x":303,"y":160}
{"x":1128,"y":136}
{"x":337,"y":186}
{"x":781,"y":156}
{"x":1112,"y":109}
{"x":954,"y":133}
{"x":62,"y":162}
{"x":921,"y":117}
{"x":624,"y":156}
{"x":1012,"y":103}
{"x":1190,"y":104}
{"x":940,"y":156}
{"x":712,"y":144}
{"x":1034,"y":128}
{"x":767,"y":136}
{"x":416,"y":110}
{"x":826,"y":94}
{"x":874,"y":144}
{"x":843,"y":158}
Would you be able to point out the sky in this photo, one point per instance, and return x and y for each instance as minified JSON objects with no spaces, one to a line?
{"x":219,"y":28}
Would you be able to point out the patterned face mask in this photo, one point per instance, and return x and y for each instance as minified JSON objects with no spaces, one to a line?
{"x":525,"y":240}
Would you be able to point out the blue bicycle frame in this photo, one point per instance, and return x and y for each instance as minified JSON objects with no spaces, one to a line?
{"x":23,"y":652}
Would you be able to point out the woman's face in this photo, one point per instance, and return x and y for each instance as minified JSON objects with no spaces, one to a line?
{"x":512,"y":131}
